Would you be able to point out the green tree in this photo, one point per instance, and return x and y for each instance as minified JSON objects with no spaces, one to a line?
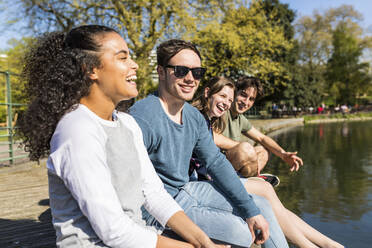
{"x":279,"y":14}
{"x":12,"y":63}
{"x":315,"y":43}
{"x":142,"y":23}
{"x":244,"y":42}
{"x":346,"y":75}
{"x":15,"y":59}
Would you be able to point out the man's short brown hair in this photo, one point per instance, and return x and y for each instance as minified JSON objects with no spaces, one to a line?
{"x":245,"y":82}
{"x":166,"y":50}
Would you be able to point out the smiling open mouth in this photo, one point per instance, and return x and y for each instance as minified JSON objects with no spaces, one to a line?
{"x":221,"y":107}
{"x":131,"y":79}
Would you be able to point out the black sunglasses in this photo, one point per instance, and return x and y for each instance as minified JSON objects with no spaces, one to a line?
{"x":181,"y":71}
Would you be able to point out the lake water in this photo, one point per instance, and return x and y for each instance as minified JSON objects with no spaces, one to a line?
{"x":333,"y":190}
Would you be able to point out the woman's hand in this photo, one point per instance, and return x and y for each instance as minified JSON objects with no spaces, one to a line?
{"x":208,"y":243}
{"x":183,"y":226}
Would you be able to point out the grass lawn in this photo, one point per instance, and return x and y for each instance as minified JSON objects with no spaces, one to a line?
{"x":3,"y":134}
{"x":308,"y":118}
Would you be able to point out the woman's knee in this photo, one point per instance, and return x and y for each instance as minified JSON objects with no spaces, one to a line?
{"x":259,"y":187}
{"x":267,"y":191}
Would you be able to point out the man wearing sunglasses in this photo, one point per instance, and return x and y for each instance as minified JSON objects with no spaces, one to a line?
{"x":172,"y":130}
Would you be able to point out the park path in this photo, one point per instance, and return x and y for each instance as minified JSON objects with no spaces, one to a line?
{"x":24,"y":207}
{"x":25,"y":219}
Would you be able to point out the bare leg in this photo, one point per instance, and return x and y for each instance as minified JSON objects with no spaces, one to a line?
{"x":312,"y":234}
{"x":243,"y":157}
{"x":262,"y":157}
{"x":296,"y":230}
{"x":248,"y":160}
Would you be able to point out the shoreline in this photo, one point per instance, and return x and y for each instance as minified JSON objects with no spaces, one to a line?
{"x":329,"y":120}
{"x":270,"y":126}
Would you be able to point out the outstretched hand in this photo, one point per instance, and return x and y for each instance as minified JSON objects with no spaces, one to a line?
{"x":292,"y":160}
{"x":258,"y":223}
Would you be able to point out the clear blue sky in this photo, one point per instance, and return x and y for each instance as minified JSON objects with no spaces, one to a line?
{"x":302,"y":8}
{"x":306,"y":7}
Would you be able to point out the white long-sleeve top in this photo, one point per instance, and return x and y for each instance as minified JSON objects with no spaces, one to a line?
{"x":99,"y":177}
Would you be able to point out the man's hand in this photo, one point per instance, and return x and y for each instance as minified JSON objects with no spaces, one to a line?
{"x":258,"y":223}
{"x":292,"y":160}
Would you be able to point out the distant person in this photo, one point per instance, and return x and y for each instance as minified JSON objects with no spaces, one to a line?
{"x":337,"y":108}
{"x":100,"y":176}
{"x":285,"y":109}
{"x":320,"y":110}
{"x":249,"y":160}
{"x":173,"y":130}
{"x":214,"y":101}
{"x":344,"y":109}
{"x":294,"y":110}
{"x":277,"y":111}
{"x":274,"y":106}
{"x":311,"y":109}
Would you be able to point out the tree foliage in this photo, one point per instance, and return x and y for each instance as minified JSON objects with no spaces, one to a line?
{"x":300,"y":64}
{"x":142,"y":22}
{"x":346,"y":75}
{"x":12,"y":62}
{"x":279,"y":14}
{"x":245,"y":42}
{"x":317,"y":37}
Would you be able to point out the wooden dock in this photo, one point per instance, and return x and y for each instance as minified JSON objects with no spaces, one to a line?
{"x":25,"y":219}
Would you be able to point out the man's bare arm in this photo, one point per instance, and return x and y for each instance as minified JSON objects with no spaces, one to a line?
{"x":224,"y":142}
{"x":289,"y":157}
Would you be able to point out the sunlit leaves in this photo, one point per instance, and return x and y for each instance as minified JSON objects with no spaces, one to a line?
{"x":244,"y":42}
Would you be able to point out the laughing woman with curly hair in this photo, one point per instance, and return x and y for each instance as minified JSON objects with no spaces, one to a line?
{"x":98,"y":184}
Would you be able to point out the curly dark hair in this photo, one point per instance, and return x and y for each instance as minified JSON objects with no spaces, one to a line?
{"x":215,"y":85}
{"x":166,"y":50}
{"x":56,"y":72}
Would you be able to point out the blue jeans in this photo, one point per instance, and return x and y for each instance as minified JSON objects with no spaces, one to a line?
{"x":213,"y":213}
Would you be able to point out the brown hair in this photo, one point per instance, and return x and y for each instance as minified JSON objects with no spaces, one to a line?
{"x":244,"y":82}
{"x":215,"y":85}
{"x":166,"y":50}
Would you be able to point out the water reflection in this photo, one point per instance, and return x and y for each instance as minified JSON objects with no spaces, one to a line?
{"x":333,"y":191}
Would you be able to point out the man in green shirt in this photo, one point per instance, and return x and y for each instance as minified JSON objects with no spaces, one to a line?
{"x":249,"y":160}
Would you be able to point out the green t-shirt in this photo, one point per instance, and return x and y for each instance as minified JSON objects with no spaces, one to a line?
{"x":235,"y":127}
